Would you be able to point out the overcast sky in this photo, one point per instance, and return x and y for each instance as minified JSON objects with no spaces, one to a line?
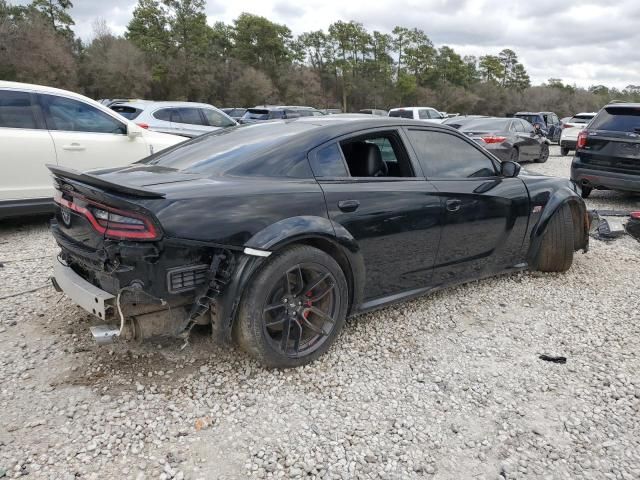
{"x":587,"y":42}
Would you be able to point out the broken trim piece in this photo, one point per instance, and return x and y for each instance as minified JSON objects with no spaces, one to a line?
{"x":256,"y":253}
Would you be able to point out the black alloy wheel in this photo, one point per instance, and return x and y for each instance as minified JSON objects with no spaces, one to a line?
{"x":294,"y":308}
{"x":300,"y":311}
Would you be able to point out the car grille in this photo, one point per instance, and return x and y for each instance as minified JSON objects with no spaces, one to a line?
{"x":183,"y":279}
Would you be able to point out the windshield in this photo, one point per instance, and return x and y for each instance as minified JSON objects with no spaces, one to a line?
{"x":532,"y":119}
{"x":401,"y":113}
{"x":617,"y":119}
{"x":581,"y":119}
{"x":487,"y":125}
{"x":250,"y":150}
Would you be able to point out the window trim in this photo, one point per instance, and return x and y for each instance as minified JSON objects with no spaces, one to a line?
{"x":495,"y":161}
{"x":43,"y":102}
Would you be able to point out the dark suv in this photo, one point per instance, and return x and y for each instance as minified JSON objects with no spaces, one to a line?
{"x":548,"y":121}
{"x":608,"y":150}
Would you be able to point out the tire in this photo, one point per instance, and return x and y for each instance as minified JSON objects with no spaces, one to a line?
{"x":564,"y":151}
{"x":264,"y":314}
{"x":556,"y":250}
{"x":586,"y":191}
{"x":514,"y":156}
{"x":544,"y":154}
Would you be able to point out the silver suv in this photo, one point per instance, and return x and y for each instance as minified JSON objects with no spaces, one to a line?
{"x":187,"y":119}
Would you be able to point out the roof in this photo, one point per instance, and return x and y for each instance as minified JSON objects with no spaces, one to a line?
{"x":623,"y":105}
{"x":164,"y":103}
{"x":280,"y":107}
{"x":43,"y":89}
{"x":412,"y":108}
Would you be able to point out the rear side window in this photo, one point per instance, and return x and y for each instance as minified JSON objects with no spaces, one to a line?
{"x":163,"y":114}
{"x":445,"y":156}
{"x":617,"y":119}
{"x":16,"y":110}
{"x":71,"y":115}
{"x":327,"y":162}
{"x":216,"y":119}
{"x":401,"y":113}
{"x":126,"y":111}
{"x":190,"y":116}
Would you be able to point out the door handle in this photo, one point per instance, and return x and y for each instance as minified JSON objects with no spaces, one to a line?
{"x":73,"y":147}
{"x":454,"y":205}
{"x":348,"y":205}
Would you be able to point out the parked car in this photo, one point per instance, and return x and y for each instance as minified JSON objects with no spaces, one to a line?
{"x":608,"y":150}
{"x":418,"y":113}
{"x":188,"y":119}
{"x":461,"y":120}
{"x":278,"y":112}
{"x":548,"y":121}
{"x":235,"y":113}
{"x":374,"y":111}
{"x":570,"y":130}
{"x":40,"y":125}
{"x":511,"y":139}
{"x":288,"y":227}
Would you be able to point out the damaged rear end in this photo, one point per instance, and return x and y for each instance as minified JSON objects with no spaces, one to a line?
{"x":118,"y":264}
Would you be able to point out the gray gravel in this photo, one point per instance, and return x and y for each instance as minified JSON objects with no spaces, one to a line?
{"x":446,"y":387}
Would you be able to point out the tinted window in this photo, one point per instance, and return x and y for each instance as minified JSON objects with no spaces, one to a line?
{"x":401,"y":113}
{"x":580,"y":119}
{"x":163,"y":114}
{"x":434,"y":114}
{"x":268,"y":149}
{"x":256,"y":114}
{"x":327,"y":162}
{"x":75,"y":116}
{"x":532,"y":118}
{"x":190,"y":116}
{"x":126,"y":112}
{"x":16,"y":110}
{"x":423,"y":114}
{"x":617,"y":119}
{"x":216,"y":119}
{"x":446,"y":156}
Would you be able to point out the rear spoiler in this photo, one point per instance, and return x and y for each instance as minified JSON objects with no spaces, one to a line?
{"x":93,"y":180}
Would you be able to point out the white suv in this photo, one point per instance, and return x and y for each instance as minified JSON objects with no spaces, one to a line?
{"x":40,"y":125}
{"x":418,"y":113}
{"x":570,"y":130}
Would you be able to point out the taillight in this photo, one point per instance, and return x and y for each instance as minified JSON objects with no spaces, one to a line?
{"x":582,"y":139}
{"x":143,"y":125}
{"x":493,"y":139}
{"x":111,"y":222}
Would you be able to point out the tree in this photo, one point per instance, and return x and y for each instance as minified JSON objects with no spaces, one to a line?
{"x":491,"y":68}
{"x":57,"y":14}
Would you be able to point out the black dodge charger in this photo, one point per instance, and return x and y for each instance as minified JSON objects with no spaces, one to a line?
{"x":274,"y":233}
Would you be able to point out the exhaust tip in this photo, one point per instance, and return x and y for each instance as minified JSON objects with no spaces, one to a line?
{"x":104,"y":334}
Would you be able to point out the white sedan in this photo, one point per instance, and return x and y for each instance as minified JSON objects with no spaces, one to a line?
{"x":40,"y":125}
{"x":570,"y":130}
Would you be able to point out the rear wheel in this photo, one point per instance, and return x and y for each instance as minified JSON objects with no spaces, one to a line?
{"x":564,"y":151}
{"x":293,"y":309}
{"x":544,"y":154}
{"x":556,"y":250}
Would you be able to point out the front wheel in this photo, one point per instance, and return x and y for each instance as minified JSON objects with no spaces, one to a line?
{"x":293,"y":309}
{"x":544,"y":154}
{"x":556,"y":250}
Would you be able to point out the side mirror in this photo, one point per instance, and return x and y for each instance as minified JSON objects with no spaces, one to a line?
{"x":133,"y":130}
{"x":510,"y":169}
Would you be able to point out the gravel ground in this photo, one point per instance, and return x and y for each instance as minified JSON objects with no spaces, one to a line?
{"x":446,"y":387}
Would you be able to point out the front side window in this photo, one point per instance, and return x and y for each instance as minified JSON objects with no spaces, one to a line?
{"x":16,"y":110}
{"x":446,"y":156}
{"x":216,"y":119}
{"x":70,"y":115}
{"x":376,"y":155}
{"x":401,"y":113}
{"x":423,"y":114}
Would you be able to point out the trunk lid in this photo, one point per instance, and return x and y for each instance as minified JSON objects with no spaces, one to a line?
{"x":613,"y":151}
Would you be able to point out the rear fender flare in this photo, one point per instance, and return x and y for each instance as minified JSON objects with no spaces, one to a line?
{"x":563,"y":196}
{"x":315,"y":231}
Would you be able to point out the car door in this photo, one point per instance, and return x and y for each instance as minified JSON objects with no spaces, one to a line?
{"x":528,"y":144}
{"x":86,"y":138}
{"x":161,"y":120}
{"x":394,"y":218}
{"x":189,"y":122}
{"x":25,"y":147}
{"x":485,"y":215}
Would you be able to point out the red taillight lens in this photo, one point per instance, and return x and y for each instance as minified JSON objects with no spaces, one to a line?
{"x":111,"y":222}
{"x":143,"y":125}
{"x":493,"y":139}
{"x":582,"y":139}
